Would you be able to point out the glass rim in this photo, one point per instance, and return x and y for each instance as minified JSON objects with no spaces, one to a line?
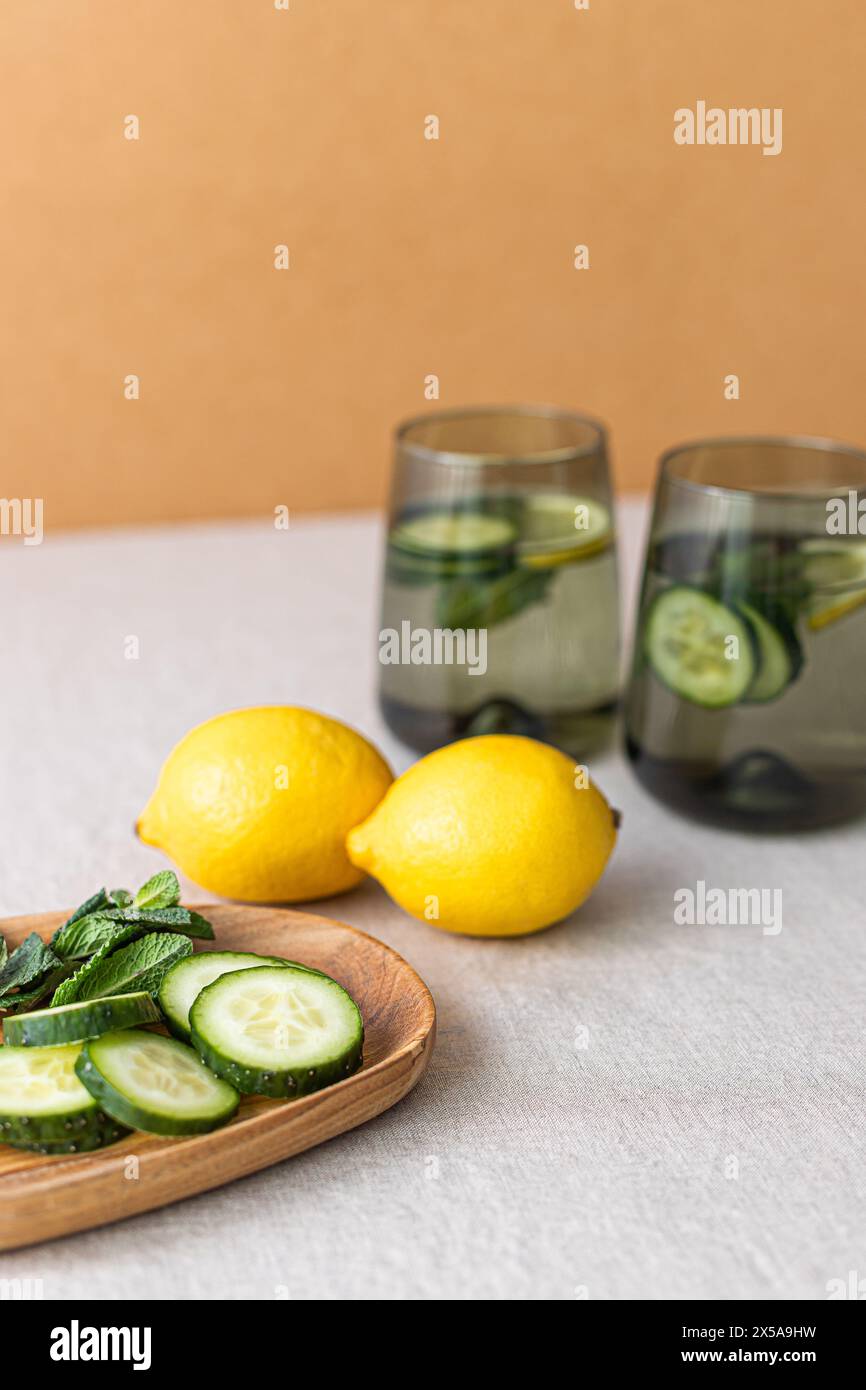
{"x":456,"y":457}
{"x":819,"y":444}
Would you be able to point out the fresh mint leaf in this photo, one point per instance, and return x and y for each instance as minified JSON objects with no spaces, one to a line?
{"x":68,"y":990}
{"x":120,"y":897}
{"x":26,"y":964}
{"x":16,"y":1003}
{"x":92,"y":904}
{"x":163,"y":890}
{"x":173,"y":918}
{"x":4,"y":953}
{"x":78,"y":940}
{"x":197,"y":926}
{"x":139,"y":966}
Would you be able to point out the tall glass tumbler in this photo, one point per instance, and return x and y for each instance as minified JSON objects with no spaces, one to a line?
{"x":747,"y":700}
{"x":500,"y":607}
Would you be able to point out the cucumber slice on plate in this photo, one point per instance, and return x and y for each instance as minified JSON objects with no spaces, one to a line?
{"x":154,"y":1083}
{"x":70,"y":1023}
{"x":558,"y":529}
{"x":43,"y":1105}
{"x":278,"y":1031}
{"x":779,"y":655}
{"x":185,"y":981}
{"x":687,"y":640}
{"x":82,"y":1143}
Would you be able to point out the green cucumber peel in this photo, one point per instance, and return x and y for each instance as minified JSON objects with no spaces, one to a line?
{"x":87,"y":1018}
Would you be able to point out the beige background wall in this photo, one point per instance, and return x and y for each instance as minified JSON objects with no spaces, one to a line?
{"x":409,"y":256}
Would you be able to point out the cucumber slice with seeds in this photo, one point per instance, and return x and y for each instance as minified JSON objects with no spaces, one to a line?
{"x":185,"y":981}
{"x":43,"y":1105}
{"x":449,"y":533}
{"x":687,"y":642}
{"x":70,"y":1023}
{"x":277,"y":1031}
{"x":154,"y":1083}
{"x":779,"y":655}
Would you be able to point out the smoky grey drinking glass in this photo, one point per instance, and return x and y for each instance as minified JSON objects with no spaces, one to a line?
{"x":499,"y":607}
{"x":747,"y":700}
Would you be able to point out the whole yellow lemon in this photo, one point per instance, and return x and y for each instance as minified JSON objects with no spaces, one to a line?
{"x":256,"y":804}
{"x":491,"y":836}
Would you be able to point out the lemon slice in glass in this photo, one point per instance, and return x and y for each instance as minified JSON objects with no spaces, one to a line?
{"x":558,"y":529}
{"x":836,"y":570}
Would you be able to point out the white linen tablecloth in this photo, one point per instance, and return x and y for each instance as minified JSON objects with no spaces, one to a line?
{"x":618,"y":1108}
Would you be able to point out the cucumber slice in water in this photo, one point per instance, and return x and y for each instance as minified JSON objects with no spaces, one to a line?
{"x":278,"y":1031}
{"x":43,"y":1105}
{"x":70,"y":1023}
{"x":687,"y":641}
{"x":446,"y":534}
{"x":779,"y":656}
{"x":185,"y":981}
{"x":154,"y":1083}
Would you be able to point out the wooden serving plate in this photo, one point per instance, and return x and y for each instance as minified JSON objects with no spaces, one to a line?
{"x":43,"y":1197}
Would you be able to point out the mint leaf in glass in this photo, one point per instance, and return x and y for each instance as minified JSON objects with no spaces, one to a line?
{"x":472,"y":603}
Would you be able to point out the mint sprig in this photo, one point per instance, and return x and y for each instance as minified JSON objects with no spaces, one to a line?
{"x":78,"y":940}
{"x":163,"y":890}
{"x":107,"y":946}
{"x":25,"y":965}
{"x":139,"y":966}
